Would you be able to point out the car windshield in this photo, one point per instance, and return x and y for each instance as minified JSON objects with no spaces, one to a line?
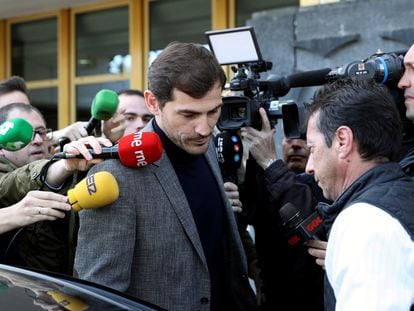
{"x":22,"y":289}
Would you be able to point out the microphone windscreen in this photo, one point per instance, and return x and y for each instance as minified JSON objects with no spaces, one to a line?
{"x":15,"y":134}
{"x":104,"y":104}
{"x":139,"y":149}
{"x":94,"y":191}
{"x":290,"y":215}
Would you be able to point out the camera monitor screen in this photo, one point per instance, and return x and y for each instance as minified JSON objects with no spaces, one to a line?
{"x":234,"y":46}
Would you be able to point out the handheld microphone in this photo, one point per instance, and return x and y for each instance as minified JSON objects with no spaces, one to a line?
{"x":133,"y":150}
{"x":103,"y":107}
{"x":94,"y":191}
{"x":15,"y":134}
{"x":299,"y":230}
{"x":229,"y":148}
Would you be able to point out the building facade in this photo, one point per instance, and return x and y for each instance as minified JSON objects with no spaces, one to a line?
{"x":68,"y":50}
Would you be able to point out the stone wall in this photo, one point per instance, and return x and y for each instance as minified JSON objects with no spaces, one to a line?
{"x":332,"y":35}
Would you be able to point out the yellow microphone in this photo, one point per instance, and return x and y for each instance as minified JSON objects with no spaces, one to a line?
{"x":68,"y":302}
{"x":94,"y":191}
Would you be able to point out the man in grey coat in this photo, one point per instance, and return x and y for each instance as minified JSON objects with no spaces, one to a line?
{"x":171,"y":237}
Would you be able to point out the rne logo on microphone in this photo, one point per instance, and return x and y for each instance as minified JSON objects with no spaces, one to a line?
{"x":140,"y":157}
{"x":90,"y":184}
{"x":137,"y":140}
{"x":139,"y":154}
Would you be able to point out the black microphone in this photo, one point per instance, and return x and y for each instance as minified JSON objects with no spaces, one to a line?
{"x":299,"y":229}
{"x":308,"y":78}
{"x":107,"y":153}
{"x":229,"y":149}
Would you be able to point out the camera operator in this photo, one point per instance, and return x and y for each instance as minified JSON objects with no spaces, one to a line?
{"x":291,"y":280}
{"x":406,"y":83}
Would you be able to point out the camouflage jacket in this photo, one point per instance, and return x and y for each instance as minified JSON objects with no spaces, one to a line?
{"x":45,"y":245}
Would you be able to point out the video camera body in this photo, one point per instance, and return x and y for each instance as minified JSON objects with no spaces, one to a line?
{"x":239,"y":111}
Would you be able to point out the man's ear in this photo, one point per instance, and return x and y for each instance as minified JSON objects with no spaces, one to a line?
{"x":151,"y":102}
{"x":1,"y":152}
{"x":345,"y":140}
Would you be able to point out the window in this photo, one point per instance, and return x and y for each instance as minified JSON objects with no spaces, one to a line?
{"x":178,"y":20}
{"x":102,"y":45}
{"x":102,"y":57}
{"x":34,"y":52}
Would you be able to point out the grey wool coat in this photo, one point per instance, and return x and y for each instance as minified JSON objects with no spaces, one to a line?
{"x":147,"y":245}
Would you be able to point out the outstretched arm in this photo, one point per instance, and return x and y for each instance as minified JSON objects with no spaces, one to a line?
{"x":35,"y":206}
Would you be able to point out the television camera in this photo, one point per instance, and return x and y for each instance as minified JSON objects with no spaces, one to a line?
{"x":240,"y":111}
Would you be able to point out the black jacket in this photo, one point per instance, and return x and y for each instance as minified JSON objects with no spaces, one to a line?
{"x":291,"y":278}
{"x":385,"y":186}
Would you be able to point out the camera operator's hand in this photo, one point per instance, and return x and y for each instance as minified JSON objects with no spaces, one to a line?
{"x":261,"y":143}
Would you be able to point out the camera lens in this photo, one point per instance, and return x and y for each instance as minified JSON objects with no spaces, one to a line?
{"x":238,"y":112}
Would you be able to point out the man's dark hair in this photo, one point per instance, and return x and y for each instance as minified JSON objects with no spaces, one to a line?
{"x":130,"y":92}
{"x":13,"y":84}
{"x":187,"y":67}
{"x":367,"y":108}
{"x":5,"y":110}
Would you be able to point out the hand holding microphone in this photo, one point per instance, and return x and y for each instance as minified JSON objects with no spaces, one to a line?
{"x":300,"y":229}
{"x":104,"y":106}
{"x":133,"y":150}
{"x":233,"y":195}
{"x":81,"y":158}
{"x":317,"y":249}
{"x":35,"y":206}
{"x":94,"y":191}
{"x":70,"y":133}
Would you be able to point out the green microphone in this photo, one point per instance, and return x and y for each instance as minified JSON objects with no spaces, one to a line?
{"x":103,"y":107}
{"x":15,"y":134}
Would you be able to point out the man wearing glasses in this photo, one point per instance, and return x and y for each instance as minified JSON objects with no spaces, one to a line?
{"x":38,"y":148}
{"x":45,"y":245}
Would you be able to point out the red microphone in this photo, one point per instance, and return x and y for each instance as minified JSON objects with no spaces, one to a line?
{"x":133,"y":150}
{"x":139,"y":149}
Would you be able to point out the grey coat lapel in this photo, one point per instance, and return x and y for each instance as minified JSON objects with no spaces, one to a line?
{"x":169,"y":181}
{"x":166,"y":176}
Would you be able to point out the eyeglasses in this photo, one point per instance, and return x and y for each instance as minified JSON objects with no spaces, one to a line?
{"x":45,"y":134}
